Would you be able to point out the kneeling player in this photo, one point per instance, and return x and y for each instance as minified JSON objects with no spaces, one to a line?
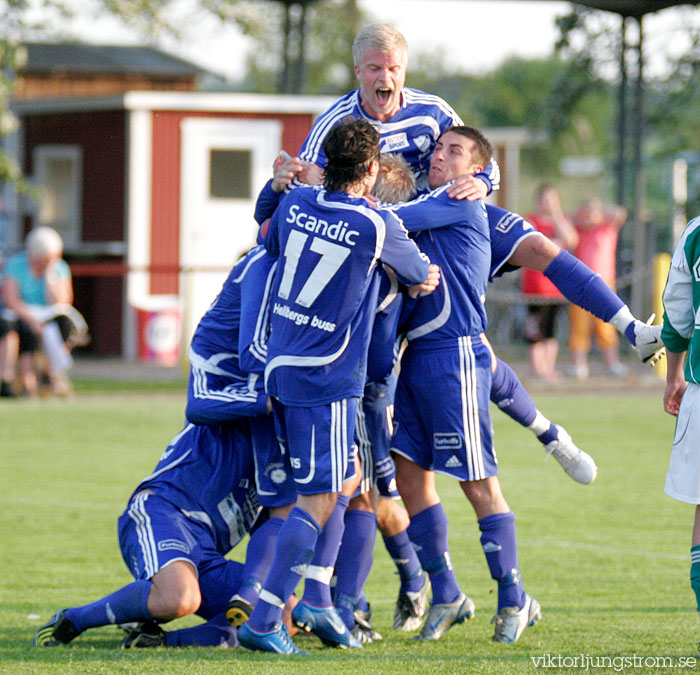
{"x":180,"y":522}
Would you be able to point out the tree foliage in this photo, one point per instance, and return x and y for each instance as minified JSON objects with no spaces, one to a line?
{"x":569,"y":98}
{"x":590,"y":44}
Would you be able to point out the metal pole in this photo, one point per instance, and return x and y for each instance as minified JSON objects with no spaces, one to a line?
{"x":622,"y":115}
{"x":300,"y":84}
{"x":283,"y":86}
{"x":639,"y":253}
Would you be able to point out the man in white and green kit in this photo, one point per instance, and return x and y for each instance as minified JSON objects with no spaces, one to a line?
{"x":682,"y":394}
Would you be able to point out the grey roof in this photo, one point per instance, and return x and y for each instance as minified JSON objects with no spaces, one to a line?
{"x":80,"y":58}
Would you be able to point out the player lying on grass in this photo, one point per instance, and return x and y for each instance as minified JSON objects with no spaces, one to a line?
{"x":219,"y":508}
{"x":180,"y":522}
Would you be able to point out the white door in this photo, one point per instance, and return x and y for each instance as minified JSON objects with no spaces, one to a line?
{"x":225,"y":163}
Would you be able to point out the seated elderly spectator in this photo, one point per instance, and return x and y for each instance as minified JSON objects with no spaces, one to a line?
{"x":37,"y":293}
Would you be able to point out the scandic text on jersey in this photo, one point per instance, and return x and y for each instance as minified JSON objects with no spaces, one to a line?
{"x":336,"y":231}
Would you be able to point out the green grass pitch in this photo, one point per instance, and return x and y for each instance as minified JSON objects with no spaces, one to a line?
{"x":608,"y":562}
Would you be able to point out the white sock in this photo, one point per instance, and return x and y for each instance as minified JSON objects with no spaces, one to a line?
{"x":622,"y":319}
{"x":540,"y":425}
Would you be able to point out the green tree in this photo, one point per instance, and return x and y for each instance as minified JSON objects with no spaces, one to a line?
{"x":590,"y":41}
{"x":331,"y":26}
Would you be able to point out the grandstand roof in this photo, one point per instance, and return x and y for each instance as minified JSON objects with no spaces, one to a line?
{"x":634,"y":7}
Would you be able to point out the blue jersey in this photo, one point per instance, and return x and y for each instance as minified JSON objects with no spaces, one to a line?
{"x":219,"y":388}
{"x":325,"y":291}
{"x":256,"y":291}
{"x":383,"y":347}
{"x":412,"y":131}
{"x":207,"y":472}
{"x":508,"y":230}
{"x":454,"y":233}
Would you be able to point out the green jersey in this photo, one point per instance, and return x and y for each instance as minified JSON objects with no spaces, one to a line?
{"x":682,"y":301}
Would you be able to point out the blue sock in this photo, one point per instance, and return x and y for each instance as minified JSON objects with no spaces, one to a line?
{"x":428,"y":533}
{"x":362,"y":602}
{"x":214,"y":633}
{"x":509,"y":394}
{"x":354,"y":561}
{"x":294,"y":550}
{"x":317,"y":589}
{"x":406,"y":560}
{"x":579,"y":284}
{"x":129,"y":603}
{"x":258,"y":558}
{"x":501,"y":550}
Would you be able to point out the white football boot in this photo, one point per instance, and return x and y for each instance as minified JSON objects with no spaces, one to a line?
{"x":648,"y":342}
{"x":510,"y":622}
{"x":578,"y":464}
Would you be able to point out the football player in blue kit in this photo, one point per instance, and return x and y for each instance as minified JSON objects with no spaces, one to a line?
{"x":372,"y":435}
{"x":329,"y":242}
{"x":409,"y":121}
{"x":442,"y":398}
{"x":512,"y":240}
{"x":181,"y":520}
{"x":273,"y":464}
{"x":200,"y":500}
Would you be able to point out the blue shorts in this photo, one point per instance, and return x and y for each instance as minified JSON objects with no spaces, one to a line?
{"x":273,"y":472}
{"x":319,"y":440}
{"x":364,"y":445}
{"x":154,"y":533}
{"x":442,"y":417}
{"x":373,"y":432}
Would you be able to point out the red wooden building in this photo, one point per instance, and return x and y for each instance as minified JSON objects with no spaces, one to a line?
{"x":153,"y":193}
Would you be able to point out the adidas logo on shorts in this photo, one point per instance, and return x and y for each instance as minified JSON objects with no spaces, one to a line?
{"x":452,"y":462}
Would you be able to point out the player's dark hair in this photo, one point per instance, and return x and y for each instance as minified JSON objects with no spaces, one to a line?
{"x":483,"y":151}
{"x":350,"y":147}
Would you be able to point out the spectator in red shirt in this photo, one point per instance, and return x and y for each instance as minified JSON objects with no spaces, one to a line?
{"x":545,"y":302}
{"x":597,"y":229}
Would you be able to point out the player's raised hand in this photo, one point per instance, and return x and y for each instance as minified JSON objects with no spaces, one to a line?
{"x":468,"y":187}
{"x":429,"y":285}
{"x":285,"y":168}
{"x":311,"y":174}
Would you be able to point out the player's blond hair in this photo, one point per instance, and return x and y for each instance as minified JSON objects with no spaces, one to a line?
{"x":380,"y":36}
{"x":395,"y":181}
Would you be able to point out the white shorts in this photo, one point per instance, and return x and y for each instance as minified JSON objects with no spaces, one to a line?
{"x":683,"y":478}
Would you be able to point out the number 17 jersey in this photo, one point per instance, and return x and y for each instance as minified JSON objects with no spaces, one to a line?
{"x":325,"y":291}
